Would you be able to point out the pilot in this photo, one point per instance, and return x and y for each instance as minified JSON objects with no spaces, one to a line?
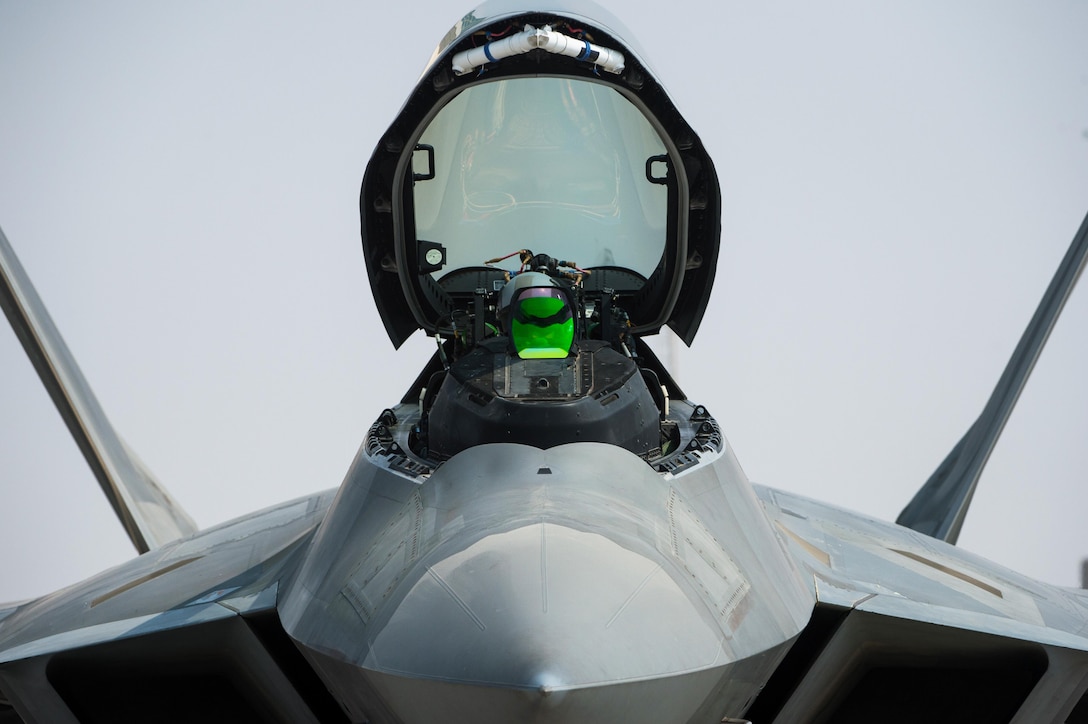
{"x":538,"y":317}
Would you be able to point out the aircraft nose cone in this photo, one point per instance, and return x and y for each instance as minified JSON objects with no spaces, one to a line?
{"x":546,"y":617}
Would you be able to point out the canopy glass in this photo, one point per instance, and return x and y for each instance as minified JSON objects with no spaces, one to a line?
{"x":557,"y":165}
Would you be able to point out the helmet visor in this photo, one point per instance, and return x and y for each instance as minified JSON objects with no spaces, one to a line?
{"x":542,"y":324}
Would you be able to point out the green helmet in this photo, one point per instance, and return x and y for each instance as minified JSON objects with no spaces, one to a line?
{"x":541,"y":323}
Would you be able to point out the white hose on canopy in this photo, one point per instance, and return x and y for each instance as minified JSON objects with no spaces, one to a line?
{"x":545,"y":38}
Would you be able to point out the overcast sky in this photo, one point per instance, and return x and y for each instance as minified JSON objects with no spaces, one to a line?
{"x":900,"y":180}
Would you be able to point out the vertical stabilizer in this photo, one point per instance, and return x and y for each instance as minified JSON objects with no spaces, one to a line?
{"x":939,"y":508}
{"x":150,"y":516}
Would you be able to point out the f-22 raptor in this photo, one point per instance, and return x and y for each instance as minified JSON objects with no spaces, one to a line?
{"x":545,"y":527}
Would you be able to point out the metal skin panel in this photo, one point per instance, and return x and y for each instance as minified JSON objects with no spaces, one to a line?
{"x":218,"y":572}
{"x":882,"y":567}
{"x":546,"y":576}
{"x":910,"y":602}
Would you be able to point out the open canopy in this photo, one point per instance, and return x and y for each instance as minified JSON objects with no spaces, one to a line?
{"x":544,"y":131}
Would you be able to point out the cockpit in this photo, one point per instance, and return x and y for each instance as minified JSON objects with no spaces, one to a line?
{"x":538,"y":206}
{"x":570,"y":167}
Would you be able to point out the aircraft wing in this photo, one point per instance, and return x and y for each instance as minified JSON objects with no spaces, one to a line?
{"x":192,"y":623}
{"x":151,"y":517}
{"x":899,"y":611}
{"x":903,"y":625}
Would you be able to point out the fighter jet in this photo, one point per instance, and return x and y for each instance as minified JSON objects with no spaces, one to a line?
{"x":544,"y":527}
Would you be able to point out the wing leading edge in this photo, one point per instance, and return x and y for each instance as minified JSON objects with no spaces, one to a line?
{"x":151,"y":517}
{"x":907,"y":628}
{"x":939,"y":508}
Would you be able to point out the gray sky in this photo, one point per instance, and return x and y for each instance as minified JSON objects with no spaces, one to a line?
{"x":900,"y":180}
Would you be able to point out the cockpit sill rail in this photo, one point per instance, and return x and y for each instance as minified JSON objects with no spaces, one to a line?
{"x":698,"y":441}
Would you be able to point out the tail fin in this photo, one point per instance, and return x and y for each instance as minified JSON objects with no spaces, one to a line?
{"x":150,"y":516}
{"x":939,"y":508}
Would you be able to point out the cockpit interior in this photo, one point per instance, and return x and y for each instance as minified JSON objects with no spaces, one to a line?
{"x":537,"y":217}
